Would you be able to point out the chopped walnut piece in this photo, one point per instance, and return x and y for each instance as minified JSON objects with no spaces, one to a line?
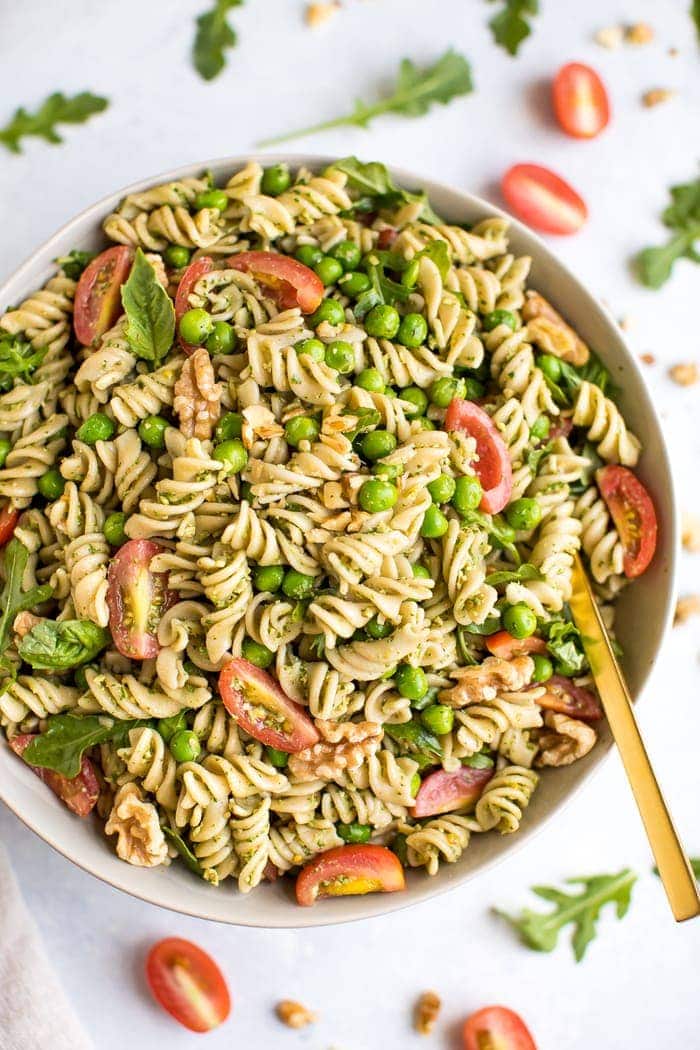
{"x":687,"y":606}
{"x":647,"y":359}
{"x":259,"y":422}
{"x":626,"y":323}
{"x":294,"y":1015}
{"x":141,"y":840}
{"x":639,"y":33}
{"x":610,"y":37}
{"x":426,"y":1012}
{"x":568,"y":740}
{"x":352,"y":732}
{"x":685,"y":374}
{"x":690,"y":533}
{"x":346,"y":746}
{"x":551,"y":333}
{"x":24,"y":622}
{"x":656,"y":96}
{"x":485,"y":681}
{"x":317,"y":14}
{"x":197,"y":396}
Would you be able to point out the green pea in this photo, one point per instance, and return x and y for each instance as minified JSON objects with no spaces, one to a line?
{"x":543,"y":669}
{"x":97,"y":427}
{"x":410,"y":274}
{"x":388,"y":471}
{"x":445,"y":389}
{"x":415,"y":784}
{"x":185,"y":746}
{"x":438,"y":718}
{"x":550,"y":365}
{"x":312,"y":348}
{"x":256,"y":653}
{"x":540,"y":428}
{"x":177,"y":256}
{"x":297,"y":584}
{"x":222,"y":339}
{"x":196,"y":326}
{"x":411,"y":682}
{"x":376,"y":496}
{"x":382,"y":322}
{"x":275,"y":180}
{"x":412,"y":330}
{"x":442,"y":489}
{"x":211,"y":199}
{"x":328,"y":269}
{"x":79,"y":676}
{"x":423,"y":423}
{"x":519,"y":620}
{"x":468,"y":494}
{"x":113,"y":528}
{"x":377,"y":444}
{"x":51,"y":484}
{"x":276,"y":758}
{"x":308,"y":254}
{"x":356,"y":833}
{"x":473,"y":389}
{"x":496,"y":317}
{"x":233,"y":456}
{"x":347,"y":254}
{"x":5,"y":447}
{"x":370,"y":379}
{"x":329,"y":310}
{"x":421,"y":573}
{"x":229,"y":426}
{"x":152,"y":431}
{"x":300,"y":428}
{"x":340,"y":356}
{"x":399,"y":848}
{"x":268,"y":578}
{"x":376,"y":629}
{"x":524,"y":514}
{"x":416,"y":397}
{"x":354,"y":283}
{"x":434,"y":525}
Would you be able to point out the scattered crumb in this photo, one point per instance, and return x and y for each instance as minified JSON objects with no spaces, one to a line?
{"x":690,"y":533}
{"x":626,"y":323}
{"x":647,"y":359}
{"x":638,"y":34}
{"x":610,"y":37}
{"x":656,"y":97}
{"x":426,"y":1013}
{"x":687,"y":606}
{"x":673,"y":52}
{"x":685,"y":374}
{"x":293,"y":1014}
{"x":317,"y":14}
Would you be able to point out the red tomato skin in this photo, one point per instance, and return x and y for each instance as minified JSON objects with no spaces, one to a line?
{"x":580,"y":101}
{"x":569,"y":699}
{"x":201,"y":969}
{"x":376,"y":864}
{"x":497,"y":1027}
{"x":125,"y":576}
{"x":505,"y":646}
{"x":386,"y":237}
{"x":441,"y":792}
{"x":8,"y":522}
{"x":494,"y":469}
{"x":98,"y":295}
{"x":562,"y":211}
{"x":79,"y":793}
{"x":291,"y":283}
{"x":232,"y":681}
{"x":188,"y":280}
{"x":632,"y":510}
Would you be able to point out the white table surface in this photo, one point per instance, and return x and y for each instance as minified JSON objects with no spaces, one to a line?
{"x":638,"y":984}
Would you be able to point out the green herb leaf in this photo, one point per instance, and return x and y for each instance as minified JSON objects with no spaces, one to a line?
{"x":525,"y":572}
{"x":149,"y":311}
{"x":565,"y":645}
{"x":416,"y":90}
{"x":184,"y":850}
{"x":466,"y":654}
{"x":378,"y":190}
{"x":490,"y":625}
{"x":67,"y":737}
{"x":213,"y":36}
{"x":57,"y":109}
{"x":654,"y":265}
{"x":481,"y":760}
{"x":75,"y":262}
{"x":694,"y":864}
{"x":695,"y":15}
{"x":541,"y":930}
{"x":498,"y":530}
{"x":13,"y":599}
{"x":536,"y":455}
{"x":58,"y":645}
{"x":510,"y":26}
{"x":414,"y":737}
{"x":18,"y":359}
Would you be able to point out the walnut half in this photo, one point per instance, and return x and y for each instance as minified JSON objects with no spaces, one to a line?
{"x":487,"y":680}
{"x":197,"y":398}
{"x":346,"y":745}
{"x":550,"y":332}
{"x":568,"y":740}
{"x":141,"y":840}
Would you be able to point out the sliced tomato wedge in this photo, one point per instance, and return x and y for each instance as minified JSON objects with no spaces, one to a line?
{"x":349,"y":870}
{"x":263,"y":709}
{"x":580,"y":101}
{"x":80,"y":793}
{"x":8,"y":522}
{"x":543,"y":200}
{"x":98,"y":296}
{"x":442,"y":792}
{"x":505,"y":646}
{"x":188,"y":280}
{"x":137,"y":599}
{"x":632,"y":509}
{"x":497,"y":1028}
{"x":288,"y":281}
{"x":493,"y":467}
{"x":186,"y":982}
{"x":569,"y":699}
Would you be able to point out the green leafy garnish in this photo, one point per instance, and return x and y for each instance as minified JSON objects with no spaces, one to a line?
{"x":18,"y":360}
{"x":58,"y":645}
{"x":536,"y":455}
{"x":510,"y":26}
{"x":57,"y":109}
{"x":75,"y":262}
{"x":188,"y":857}
{"x":654,"y":265}
{"x":168,"y":727}
{"x":490,"y":625}
{"x":565,"y":645}
{"x":67,"y":737}
{"x":498,"y":529}
{"x":214,"y":35}
{"x":594,"y":371}
{"x":694,"y":864}
{"x":467,"y":656}
{"x":13,"y":599}
{"x":378,"y":190}
{"x":149,"y":312}
{"x":541,"y":930}
{"x":695,"y":15}
{"x":481,"y":760}
{"x":415,"y":92}
{"x":414,"y":737}
{"x":520,"y":575}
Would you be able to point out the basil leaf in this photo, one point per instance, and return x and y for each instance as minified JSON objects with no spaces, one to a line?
{"x":525,"y":572}
{"x":13,"y":599}
{"x":58,"y":645}
{"x":149,"y":312}
{"x":414,"y":736}
{"x":188,"y":857}
{"x":57,"y":109}
{"x":565,"y":645}
{"x":75,"y":262}
{"x":67,"y":737}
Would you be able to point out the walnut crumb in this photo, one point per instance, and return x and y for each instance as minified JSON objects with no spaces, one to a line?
{"x":610,"y":37}
{"x":294,"y":1015}
{"x":685,"y":374}
{"x":639,"y":33}
{"x":647,"y":359}
{"x":626,"y":323}
{"x":690,"y":533}
{"x":673,"y":52}
{"x":426,"y":1012}
{"x":687,"y":606}
{"x":656,"y":96}
{"x":318,"y":14}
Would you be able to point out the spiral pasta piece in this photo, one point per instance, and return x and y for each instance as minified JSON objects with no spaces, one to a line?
{"x":504,"y":798}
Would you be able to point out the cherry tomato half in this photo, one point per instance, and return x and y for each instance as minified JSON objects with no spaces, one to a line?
{"x":98,"y":296}
{"x":543,"y":200}
{"x":80,"y":793}
{"x":8,"y":521}
{"x":349,"y":870}
{"x":289,"y":281}
{"x":441,"y":792}
{"x":632,"y":509}
{"x":505,"y":646}
{"x":137,"y":599}
{"x":580,"y":101}
{"x":568,"y":699}
{"x":187,"y":983}
{"x":263,"y":709}
{"x":493,"y":467}
{"x":188,"y":280}
{"x":497,"y":1028}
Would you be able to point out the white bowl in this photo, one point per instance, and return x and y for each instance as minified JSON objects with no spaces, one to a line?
{"x":643,"y":616}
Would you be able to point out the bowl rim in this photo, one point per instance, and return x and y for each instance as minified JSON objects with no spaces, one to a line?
{"x":372,"y":906}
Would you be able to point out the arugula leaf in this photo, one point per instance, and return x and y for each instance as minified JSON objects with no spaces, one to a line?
{"x":13,"y":599}
{"x":415,"y":737}
{"x":540,"y":930}
{"x":536,"y":455}
{"x":378,"y":189}
{"x":18,"y":359}
{"x":510,"y":26}
{"x":213,"y":36}
{"x":68,"y":737}
{"x":490,"y":625}
{"x":654,"y":265}
{"x":498,"y":529}
{"x":466,"y":654}
{"x":149,"y":312}
{"x":75,"y":262}
{"x":318,"y":646}
{"x":59,"y":645}
{"x":416,"y":90}
{"x":184,"y":850}
{"x":57,"y":109}
{"x":524,"y":572}
{"x":565,"y":645}
{"x":694,"y":861}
